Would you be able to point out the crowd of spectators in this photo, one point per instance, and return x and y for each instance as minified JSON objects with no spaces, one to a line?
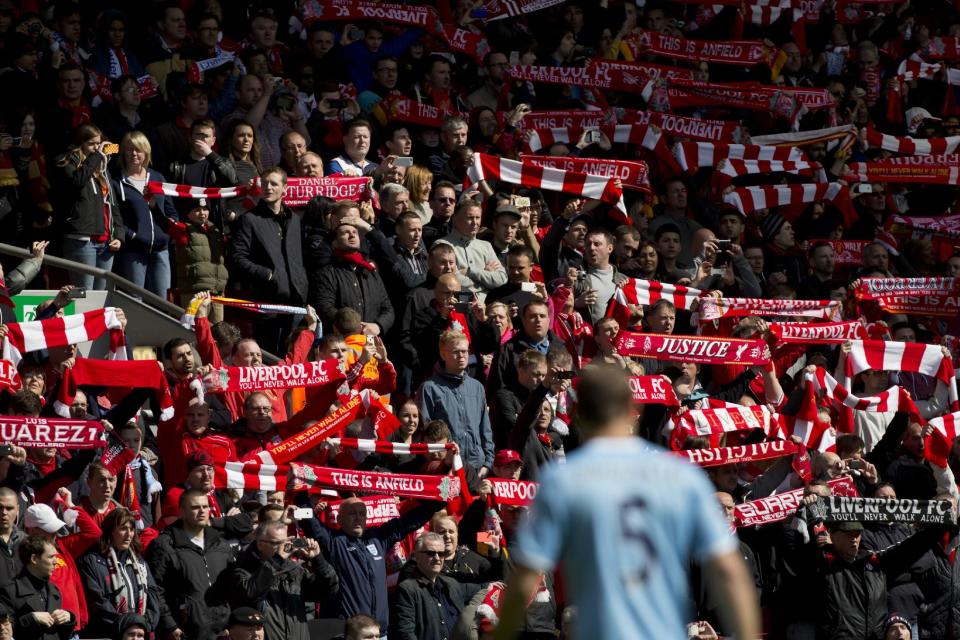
{"x":468,"y":306}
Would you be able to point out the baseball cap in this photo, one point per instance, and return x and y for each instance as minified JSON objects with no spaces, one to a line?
{"x":916,"y":116}
{"x":505,"y":457}
{"x":41,"y":516}
{"x":199,"y":458}
{"x":507,"y":210}
{"x":246,"y":616}
{"x":845,"y":526}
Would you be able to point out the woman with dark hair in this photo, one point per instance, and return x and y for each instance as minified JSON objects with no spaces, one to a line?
{"x":92,"y":226}
{"x":116,"y":579}
{"x":316,"y":232}
{"x":110,"y":57}
{"x":243,"y":151}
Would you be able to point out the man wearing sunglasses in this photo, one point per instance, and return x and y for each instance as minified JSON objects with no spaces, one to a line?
{"x":429,"y":604}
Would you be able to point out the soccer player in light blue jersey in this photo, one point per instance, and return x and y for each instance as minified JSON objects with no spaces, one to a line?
{"x":624,"y":521}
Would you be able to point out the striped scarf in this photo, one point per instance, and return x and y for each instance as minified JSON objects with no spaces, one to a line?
{"x":119,"y":586}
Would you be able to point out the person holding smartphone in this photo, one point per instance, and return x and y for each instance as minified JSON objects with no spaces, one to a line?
{"x":276,"y":574}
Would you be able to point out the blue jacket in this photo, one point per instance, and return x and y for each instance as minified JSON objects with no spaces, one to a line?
{"x":360,"y":60}
{"x":360,"y":561}
{"x":145,"y":226}
{"x":461,"y":402}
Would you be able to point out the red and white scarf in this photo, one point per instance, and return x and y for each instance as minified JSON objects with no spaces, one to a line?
{"x":748,"y":199}
{"x":129,"y":498}
{"x":879,"y":288}
{"x":126,"y":598}
{"x":722,"y":456}
{"x":781,"y":506}
{"x":24,"y":337}
{"x":737,"y":168}
{"x":250,"y":476}
{"x":301,"y":190}
{"x":883,"y":355}
{"x":720,"y":131}
{"x":652,"y":390}
{"x":171,"y":189}
{"x":849,"y":252}
{"x":380,"y":510}
{"x":440,"y":488}
{"x":777,"y":102}
{"x":712,"y":308}
{"x":942,"y":48}
{"x":894,"y":399}
{"x":633,"y":174}
{"x":946,"y":429}
{"x":281,"y":376}
{"x":641,"y":135}
{"x":591,"y":77}
{"x":529,"y":175}
{"x":422,"y":16}
{"x":500,"y":9}
{"x":725,"y":417}
{"x":646,"y":292}
{"x":691,"y":156}
{"x":806,"y":424}
{"x":818,"y":333}
{"x":304,"y":441}
{"x":930,"y":297}
{"x":904,"y":170}
{"x":703,"y":350}
{"x":944,"y":226}
{"x":575,"y":119}
{"x":743,"y":53}
{"x":839,"y":137}
{"x":513,"y":493}
{"x":912,"y":146}
{"x":116,"y":374}
{"x":401,"y":109}
{"x":24,"y":431}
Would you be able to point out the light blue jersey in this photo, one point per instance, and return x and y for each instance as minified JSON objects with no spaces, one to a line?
{"x":625,"y":521}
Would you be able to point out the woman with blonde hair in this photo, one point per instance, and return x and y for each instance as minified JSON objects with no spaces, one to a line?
{"x":419,"y":182}
{"x":92,"y":227}
{"x":145,"y":257}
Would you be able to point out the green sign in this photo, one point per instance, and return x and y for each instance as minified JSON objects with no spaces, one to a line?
{"x":25,"y":306}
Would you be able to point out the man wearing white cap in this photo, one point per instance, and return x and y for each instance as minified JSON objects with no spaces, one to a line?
{"x":41,"y":520}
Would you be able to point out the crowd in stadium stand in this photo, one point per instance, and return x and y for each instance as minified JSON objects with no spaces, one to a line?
{"x":436,"y":215}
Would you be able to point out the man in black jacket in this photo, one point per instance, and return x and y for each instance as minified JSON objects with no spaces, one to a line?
{"x":272,"y":575}
{"x":429,"y":604}
{"x":421,"y":342}
{"x":187,"y":561}
{"x":267,"y":260}
{"x":351,"y":281}
{"x":36,"y":602}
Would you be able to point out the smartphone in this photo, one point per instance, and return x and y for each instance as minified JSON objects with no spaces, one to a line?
{"x":111,"y":149}
{"x":301,"y":543}
{"x":855,"y":464}
{"x":17,"y":142}
{"x":566,"y":375}
{"x":403,"y":161}
{"x":464,"y":298}
{"x":77,"y":292}
{"x":592,"y":136}
{"x":285,"y":103}
{"x":337,"y":103}
{"x":6,"y":450}
{"x":356,"y":34}
{"x":520,"y":202}
{"x":302,"y":513}
{"x":723,"y":245}
{"x":528,"y":287}
{"x":864,"y":187}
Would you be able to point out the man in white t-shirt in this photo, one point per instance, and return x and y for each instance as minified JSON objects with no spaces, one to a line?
{"x":625,"y":521}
